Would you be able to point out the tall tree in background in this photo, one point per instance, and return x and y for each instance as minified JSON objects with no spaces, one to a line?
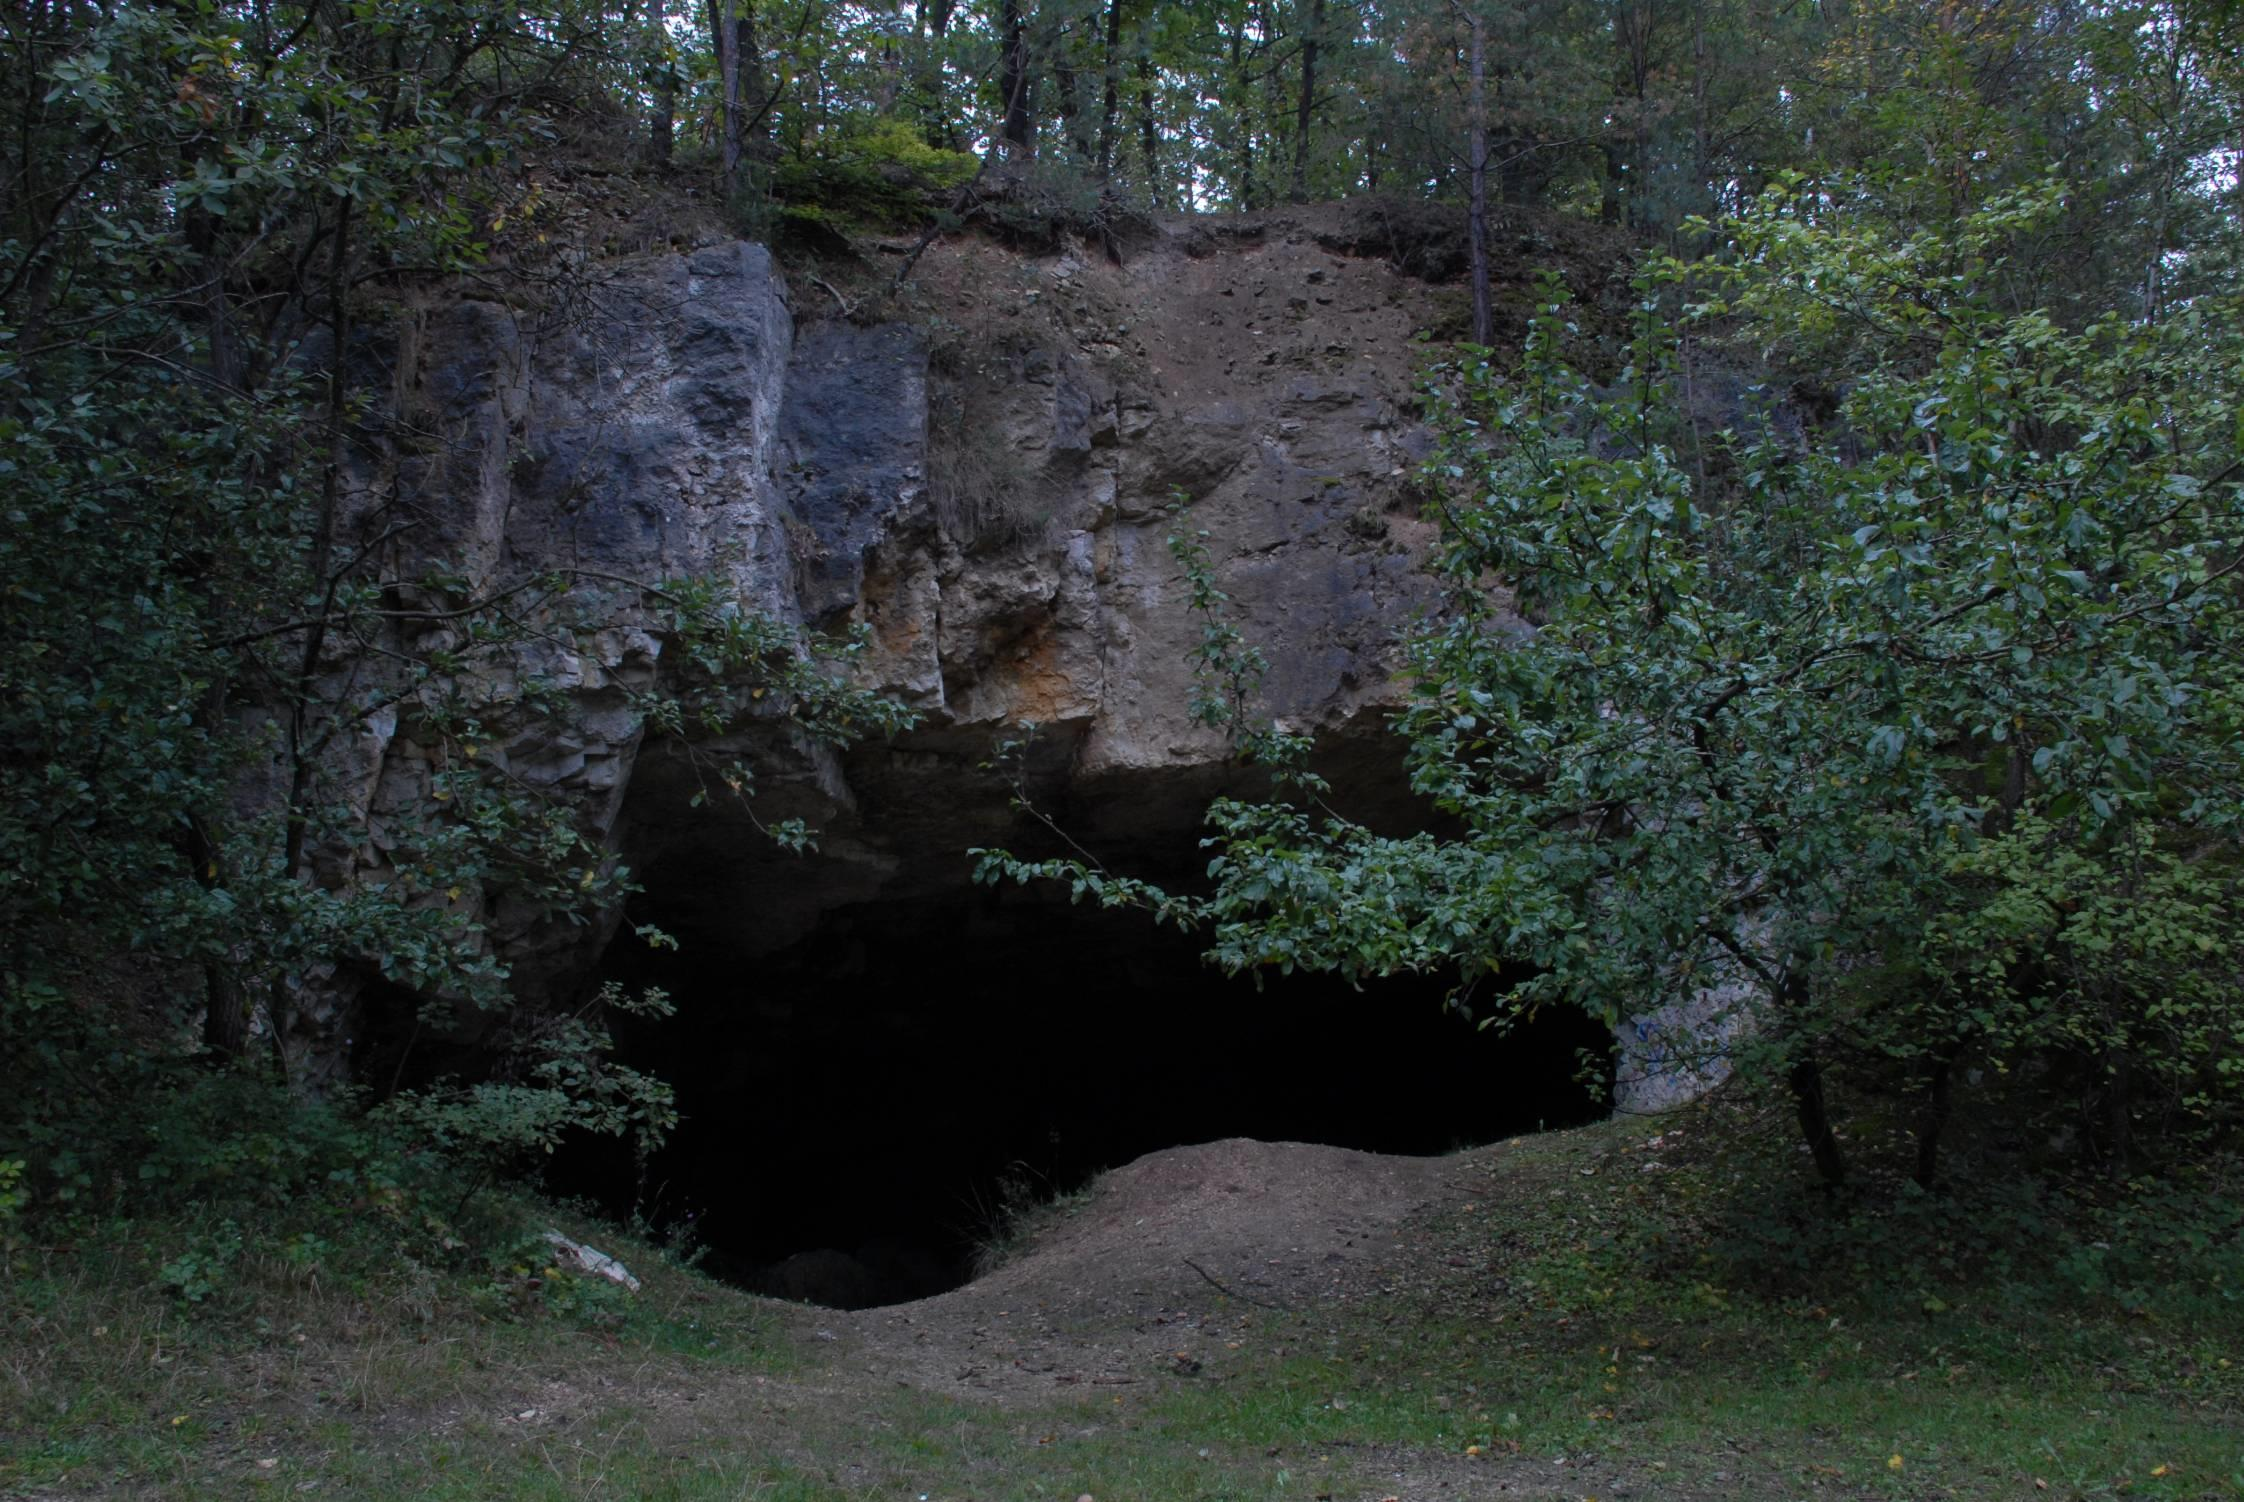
{"x":1476,"y":219}
{"x":1149,"y":122}
{"x":663,"y":70}
{"x":1016,"y":83}
{"x":1110,"y":89}
{"x":1306,"y":101}
{"x":931,"y":25}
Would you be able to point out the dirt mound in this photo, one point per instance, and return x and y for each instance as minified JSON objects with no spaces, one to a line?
{"x":1164,"y":1268}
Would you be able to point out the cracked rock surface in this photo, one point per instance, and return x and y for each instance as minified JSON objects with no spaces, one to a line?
{"x":985,"y":485}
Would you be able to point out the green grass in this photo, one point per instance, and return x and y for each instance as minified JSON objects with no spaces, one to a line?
{"x":401,"y":1383}
{"x":1671,"y":1330}
{"x":1805,"y":1403}
{"x":1599,"y":1311}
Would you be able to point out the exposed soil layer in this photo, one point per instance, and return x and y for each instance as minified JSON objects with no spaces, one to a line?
{"x":1205,"y":1264}
{"x":1164,"y":1265}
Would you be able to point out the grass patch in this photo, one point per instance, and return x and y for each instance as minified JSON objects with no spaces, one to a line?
{"x":389,"y":1384}
{"x":1620,"y":1296}
{"x":1623,"y":1308}
{"x":1024,"y":1208}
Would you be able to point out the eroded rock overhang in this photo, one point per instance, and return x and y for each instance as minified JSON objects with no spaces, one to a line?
{"x":985,"y":488}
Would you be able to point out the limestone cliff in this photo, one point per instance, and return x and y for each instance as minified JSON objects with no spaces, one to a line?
{"x":982,"y":481}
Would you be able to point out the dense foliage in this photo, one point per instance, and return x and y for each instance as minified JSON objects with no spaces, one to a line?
{"x":1640,"y":112}
{"x":1880,"y":706}
{"x":202,"y":208}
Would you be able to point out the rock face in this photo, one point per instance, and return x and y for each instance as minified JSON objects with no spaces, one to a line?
{"x":984,"y":487}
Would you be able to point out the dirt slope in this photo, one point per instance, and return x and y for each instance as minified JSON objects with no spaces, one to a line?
{"x":1160,"y":1268}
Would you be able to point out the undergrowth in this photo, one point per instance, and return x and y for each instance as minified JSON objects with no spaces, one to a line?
{"x":1024,"y":1207}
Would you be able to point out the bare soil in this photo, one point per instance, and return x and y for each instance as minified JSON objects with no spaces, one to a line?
{"x":1163,"y":1269}
{"x":1191,"y":1264}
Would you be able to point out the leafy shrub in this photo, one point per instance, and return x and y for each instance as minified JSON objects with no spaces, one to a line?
{"x":878,"y":173}
{"x":2114,"y":949}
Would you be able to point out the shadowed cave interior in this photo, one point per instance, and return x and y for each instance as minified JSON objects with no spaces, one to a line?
{"x":862,"y":1108}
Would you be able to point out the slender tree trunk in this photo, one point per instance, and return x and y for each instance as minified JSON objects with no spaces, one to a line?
{"x":1805,"y":1080}
{"x":1274,"y":105}
{"x":325,"y":580}
{"x":225,"y":1001}
{"x":662,"y":123}
{"x":1149,"y":127}
{"x":1634,"y":23}
{"x":301,"y":755}
{"x":2119,"y":1112}
{"x":757,"y":99}
{"x":727,"y":42}
{"x":1939,"y":1095}
{"x":2154,"y":264}
{"x":891,"y":75}
{"x":1307,"y":102}
{"x":1013,"y":80}
{"x":208,"y":266}
{"x":1242,"y":123}
{"x":203,"y":276}
{"x":1484,"y":313}
{"x":934,"y":23}
{"x":1110,"y":98}
{"x":1071,"y":105}
{"x":1806,"y":1083}
{"x":1702,"y":150}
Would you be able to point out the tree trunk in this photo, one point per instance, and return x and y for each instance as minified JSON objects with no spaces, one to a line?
{"x":303,"y":738}
{"x":1702,"y":150}
{"x":1241,"y":124}
{"x":1806,"y":1082}
{"x":1274,"y":104}
{"x":1013,"y":81}
{"x":1307,"y":102}
{"x":1805,"y":1079}
{"x":1110,"y":98}
{"x":2119,"y":1113}
{"x":1634,"y":25}
{"x":225,"y":1001}
{"x":225,"y":1011}
{"x":1149,"y":127}
{"x":756,"y":101}
{"x":934,"y":22}
{"x":728,"y":73}
{"x":1484,"y":313}
{"x":662,"y":122}
{"x":1071,"y":106}
{"x":2154,"y":301}
{"x":1938,"y":1097}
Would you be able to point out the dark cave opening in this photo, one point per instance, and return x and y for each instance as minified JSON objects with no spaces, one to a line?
{"x":860,"y":1108}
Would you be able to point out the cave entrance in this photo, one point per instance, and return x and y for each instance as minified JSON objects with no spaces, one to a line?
{"x":862,"y":1108}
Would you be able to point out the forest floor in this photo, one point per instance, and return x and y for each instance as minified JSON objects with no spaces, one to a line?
{"x":1555,"y":1317}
